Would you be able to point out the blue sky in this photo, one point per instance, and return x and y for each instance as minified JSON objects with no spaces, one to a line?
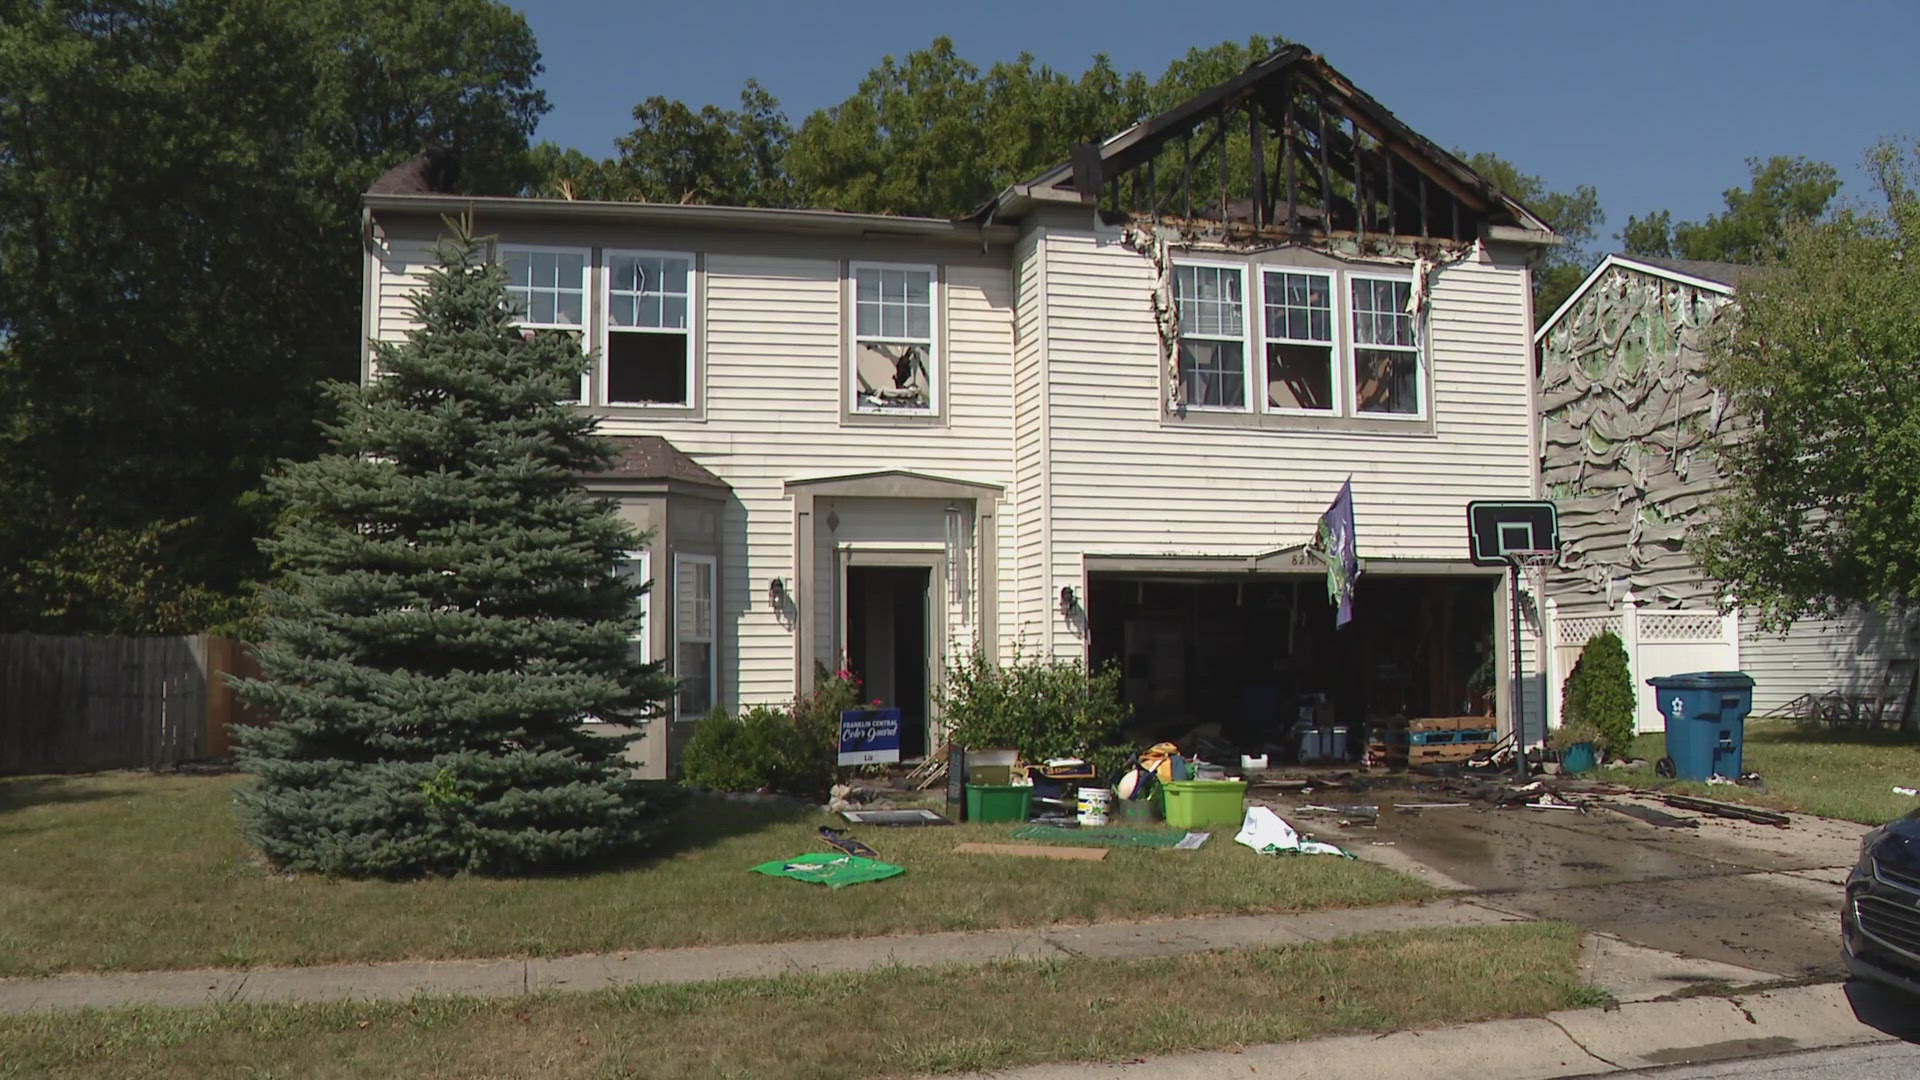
{"x":1655,"y":104}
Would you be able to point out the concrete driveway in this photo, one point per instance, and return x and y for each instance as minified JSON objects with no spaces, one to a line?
{"x":1757,"y":896}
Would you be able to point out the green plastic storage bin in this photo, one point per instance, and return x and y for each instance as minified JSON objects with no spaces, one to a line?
{"x":995,"y":802}
{"x":1198,"y":804}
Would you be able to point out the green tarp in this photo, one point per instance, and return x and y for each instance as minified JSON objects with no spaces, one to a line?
{"x":830,"y":868}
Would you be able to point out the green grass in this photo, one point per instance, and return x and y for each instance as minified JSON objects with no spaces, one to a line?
{"x":891,"y":1022}
{"x":130,"y":871}
{"x":1847,"y":775}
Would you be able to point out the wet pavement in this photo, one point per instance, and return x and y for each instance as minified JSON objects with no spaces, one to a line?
{"x":1734,"y":892}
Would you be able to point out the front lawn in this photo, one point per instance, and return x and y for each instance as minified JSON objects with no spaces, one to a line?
{"x":1848,"y":774}
{"x":893,"y":1022}
{"x":130,"y":871}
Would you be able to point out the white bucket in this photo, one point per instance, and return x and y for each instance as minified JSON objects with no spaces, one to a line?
{"x":1093,"y":805}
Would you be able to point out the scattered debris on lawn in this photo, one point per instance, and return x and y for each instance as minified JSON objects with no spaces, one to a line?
{"x":1727,"y":810}
{"x":1266,"y":833}
{"x":1651,"y":816}
{"x":1038,"y":851}
{"x":833,"y":871}
{"x":1906,"y":791}
{"x":1549,"y":801}
{"x":846,"y":845}
{"x":894,"y":818}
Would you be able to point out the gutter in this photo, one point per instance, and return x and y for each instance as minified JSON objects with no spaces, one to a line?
{"x":803,"y":222}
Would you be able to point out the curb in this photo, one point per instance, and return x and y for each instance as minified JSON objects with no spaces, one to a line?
{"x":1581,"y":1042}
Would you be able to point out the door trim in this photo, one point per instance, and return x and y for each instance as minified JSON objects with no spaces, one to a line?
{"x":847,"y":557}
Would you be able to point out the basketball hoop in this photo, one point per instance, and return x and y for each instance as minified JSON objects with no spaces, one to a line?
{"x":1521,"y":535}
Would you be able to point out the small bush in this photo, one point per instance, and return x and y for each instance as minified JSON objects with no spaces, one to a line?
{"x":1599,"y":693}
{"x":792,"y":749}
{"x":1043,"y":709}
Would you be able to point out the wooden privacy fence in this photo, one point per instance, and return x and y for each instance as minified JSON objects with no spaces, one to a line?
{"x":76,"y":703}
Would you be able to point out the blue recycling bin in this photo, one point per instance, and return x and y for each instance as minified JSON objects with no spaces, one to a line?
{"x":1706,"y":715}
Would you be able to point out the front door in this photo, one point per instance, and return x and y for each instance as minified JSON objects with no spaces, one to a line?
{"x":888,"y":631}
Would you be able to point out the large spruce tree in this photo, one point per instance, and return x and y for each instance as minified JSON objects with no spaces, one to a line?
{"x":447,"y":616}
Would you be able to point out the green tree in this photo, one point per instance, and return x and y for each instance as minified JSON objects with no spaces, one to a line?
{"x":1784,"y":192}
{"x":447,"y":615}
{"x":1599,"y":692}
{"x":180,"y":267}
{"x":1575,"y":215}
{"x":1822,"y":369}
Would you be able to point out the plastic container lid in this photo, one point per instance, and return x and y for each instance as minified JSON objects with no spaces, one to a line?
{"x":1704,"y":680}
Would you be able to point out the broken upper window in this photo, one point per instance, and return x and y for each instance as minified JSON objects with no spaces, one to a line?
{"x":648,"y":359}
{"x":547,"y":289}
{"x":1299,"y":339}
{"x":1386,"y":348}
{"x":1213,"y":335}
{"x":893,"y":344}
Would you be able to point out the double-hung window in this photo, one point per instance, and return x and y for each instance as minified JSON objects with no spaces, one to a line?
{"x":647,"y":358}
{"x":635,"y":569}
{"x":894,"y":366}
{"x":1301,"y":373}
{"x":547,"y":288}
{"x":1386,"y":348}
{"x":693,"y":636}
{"x":1213,"y":334}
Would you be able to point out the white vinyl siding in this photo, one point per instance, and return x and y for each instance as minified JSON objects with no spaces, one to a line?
{"x":1848,"y":654}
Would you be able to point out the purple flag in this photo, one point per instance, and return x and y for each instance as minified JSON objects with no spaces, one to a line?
{"x":1342,"y":555}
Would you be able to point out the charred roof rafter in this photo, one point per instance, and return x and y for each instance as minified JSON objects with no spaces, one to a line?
{"x":1288,"y":150}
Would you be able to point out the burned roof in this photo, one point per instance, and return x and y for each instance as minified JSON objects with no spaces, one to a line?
{"x":650,"y":457}
{"x":435,"y":172}
{"x":1289,"y":146}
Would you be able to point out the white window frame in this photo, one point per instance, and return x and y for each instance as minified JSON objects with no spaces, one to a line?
{"x":1249,"y":383}
{"x":935,"y":354}
{"x":503,"y":249}
{"x":643,"y":610}
{"x":1418,"y":350}
{"x":680,"y":616}
{"x":1336,"y":345}
{"x":607,"y":329}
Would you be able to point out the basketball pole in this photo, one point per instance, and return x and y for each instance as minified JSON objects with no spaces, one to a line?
{"x":1519,"y":695}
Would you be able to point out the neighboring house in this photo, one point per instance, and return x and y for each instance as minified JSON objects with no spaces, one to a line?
{"x":1099,"y":419}
{"x":1627,"y":416}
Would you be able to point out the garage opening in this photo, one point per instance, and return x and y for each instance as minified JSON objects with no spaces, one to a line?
{"x":887,"y":633}
{"x":1251,"y":653}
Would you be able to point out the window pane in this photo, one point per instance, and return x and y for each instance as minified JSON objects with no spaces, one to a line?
{"x":919,"y":322}
{"x":540,"y":307}
{"x":1211,"y":373}
{"x":891,"y":376}
{"x":1386,"y":381}
{"x":673,"y":275}
{"x":646,"y":368}
{"x":693,"y":663}
{"x":867,"y":286}
{"x":569,"y":308}
{"x":867,"y":319}
{"x":570,"y":270}
{"x":673,"y":312}
{"x":1300,"y":376}
{"x":519,"y":268}
{"x":919,"y":286}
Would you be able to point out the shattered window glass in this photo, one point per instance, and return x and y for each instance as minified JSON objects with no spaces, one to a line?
{"x":1386,"y":348}
{"x":893,"y":351}
{"x":1211,"y":303}
{"x":649,"y":354}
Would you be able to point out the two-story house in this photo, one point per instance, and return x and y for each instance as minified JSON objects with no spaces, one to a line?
{"x":1097,"y":419}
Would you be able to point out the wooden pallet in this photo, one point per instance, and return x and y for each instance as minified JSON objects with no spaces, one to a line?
{"x":1422,"y":755}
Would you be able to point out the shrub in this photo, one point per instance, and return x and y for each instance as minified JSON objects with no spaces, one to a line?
{"x":1042,"y":708}
{"x":1567,"y":736}
{"x":792,"y":749}
{"x":1599,"y":693}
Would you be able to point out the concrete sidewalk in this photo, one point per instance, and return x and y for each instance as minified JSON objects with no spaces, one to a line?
{"x":1583,"y":1042}
{"x":596,"y":971}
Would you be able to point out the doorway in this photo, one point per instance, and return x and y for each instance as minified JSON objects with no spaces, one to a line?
{"x":887,"y":636}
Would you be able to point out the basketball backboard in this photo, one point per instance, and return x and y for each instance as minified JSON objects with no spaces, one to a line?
{"x":1495,"y":529}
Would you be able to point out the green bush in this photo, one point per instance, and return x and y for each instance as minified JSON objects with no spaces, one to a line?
{"x":1599,"y":692}
{"x":1044,"y":709}
{"x":792,"y":749}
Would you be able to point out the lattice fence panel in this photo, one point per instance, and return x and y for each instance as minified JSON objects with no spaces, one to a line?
{"x":1579,"y":628}
{"x":1681,"y":626}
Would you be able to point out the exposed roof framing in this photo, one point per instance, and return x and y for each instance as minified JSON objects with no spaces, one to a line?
{"x":1288,"y":147}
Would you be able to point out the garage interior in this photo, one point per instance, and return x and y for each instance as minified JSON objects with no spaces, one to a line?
{"x":1253,"y":653}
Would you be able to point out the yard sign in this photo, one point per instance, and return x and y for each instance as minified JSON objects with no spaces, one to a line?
{"x":869,"y":735}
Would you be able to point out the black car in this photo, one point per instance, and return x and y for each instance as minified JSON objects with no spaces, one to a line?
{"x":1880,"y":924}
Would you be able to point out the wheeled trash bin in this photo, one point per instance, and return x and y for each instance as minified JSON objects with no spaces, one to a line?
{"x":1706,"y":717}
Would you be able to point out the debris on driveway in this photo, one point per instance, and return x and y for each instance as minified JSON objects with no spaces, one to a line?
{"x":1651,"y":816}
{"x":1727,"y":810}
{"x":1266,"y":833}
